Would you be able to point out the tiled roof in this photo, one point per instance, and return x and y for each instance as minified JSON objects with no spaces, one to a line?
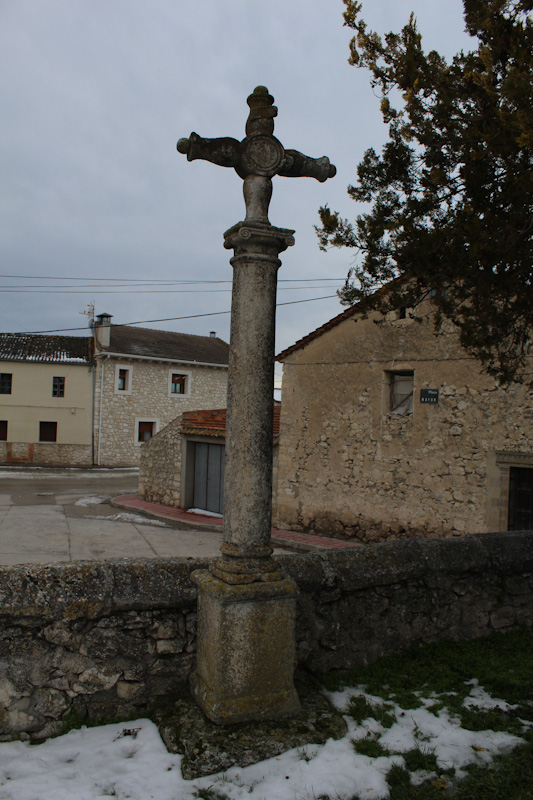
{"x":45,"y":349}
{"x":213,"y":422}
{"x":146,"y":342}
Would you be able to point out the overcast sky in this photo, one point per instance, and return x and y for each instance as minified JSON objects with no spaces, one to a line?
{"x":94,"y":95}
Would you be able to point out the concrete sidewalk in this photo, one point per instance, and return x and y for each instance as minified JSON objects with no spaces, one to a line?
{"x":281,"y":538}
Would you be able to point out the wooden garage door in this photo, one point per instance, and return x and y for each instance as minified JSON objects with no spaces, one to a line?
{"x":520,"y":499}
{"x":209,"y":477}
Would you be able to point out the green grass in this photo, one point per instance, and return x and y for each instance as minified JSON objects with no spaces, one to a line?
{"x":369,"y":747}
{"x":503,"y":666}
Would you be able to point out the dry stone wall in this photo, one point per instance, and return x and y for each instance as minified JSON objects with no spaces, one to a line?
{"x":105,"y":638}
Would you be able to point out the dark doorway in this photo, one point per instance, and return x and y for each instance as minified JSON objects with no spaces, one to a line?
{"x":520,"y":499}
{"x":209,"y":477}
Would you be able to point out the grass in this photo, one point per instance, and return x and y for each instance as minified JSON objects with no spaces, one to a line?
{"x":503,"y":666}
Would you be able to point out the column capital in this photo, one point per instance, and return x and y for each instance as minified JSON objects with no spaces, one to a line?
{"x":256,"y":238}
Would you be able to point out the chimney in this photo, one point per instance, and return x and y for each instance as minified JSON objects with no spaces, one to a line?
{"x":213,"y":334}
{"x":102,"y":330}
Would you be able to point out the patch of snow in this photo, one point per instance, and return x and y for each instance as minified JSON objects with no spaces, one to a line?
{"x":124,"y":516}
{"x":130,"y":761}
{"x":204,"y":512}
{"x":90,"y":501}
{"x":479,"y":698}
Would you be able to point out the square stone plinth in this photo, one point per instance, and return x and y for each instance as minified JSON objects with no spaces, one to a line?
{"x":245,"y":652}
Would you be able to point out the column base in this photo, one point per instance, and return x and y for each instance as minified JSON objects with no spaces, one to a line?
{"x":246,"y":648}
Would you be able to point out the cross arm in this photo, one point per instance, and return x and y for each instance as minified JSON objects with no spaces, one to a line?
{"x":297,"y":165}
{"x":223,"y":151}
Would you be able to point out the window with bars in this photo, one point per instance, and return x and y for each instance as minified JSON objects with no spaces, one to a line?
{"x":401,"y":392}
{"x":58,"y":387}
{"x":5,"y":382}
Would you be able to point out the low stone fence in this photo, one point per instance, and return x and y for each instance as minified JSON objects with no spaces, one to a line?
{"x":104,"y":638}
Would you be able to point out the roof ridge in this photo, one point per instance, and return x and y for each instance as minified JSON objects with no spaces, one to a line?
{"x":159,"y":330}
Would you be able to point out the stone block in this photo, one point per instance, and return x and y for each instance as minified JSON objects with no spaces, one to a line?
{"x":246,"y":650}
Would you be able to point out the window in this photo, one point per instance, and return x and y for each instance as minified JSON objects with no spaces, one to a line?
{"x":145,"y":430}
{"x":520,"y":516}
{"x":48,"y":431}
{"x":5,"y":382}
{"x":401,"y":392}
{"x":58,"y":387}
{"x":123,"y":382}
{"x":179,"y":384}
{"x":3,"y":430}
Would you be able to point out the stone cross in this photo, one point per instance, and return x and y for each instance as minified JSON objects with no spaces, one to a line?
{"x":258,"y":157}
{"x":246,"y":607}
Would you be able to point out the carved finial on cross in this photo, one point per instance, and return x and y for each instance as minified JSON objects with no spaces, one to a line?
{"x":258,"y":157}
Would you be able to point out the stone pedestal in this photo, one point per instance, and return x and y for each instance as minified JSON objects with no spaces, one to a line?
{"x":246,"y":650}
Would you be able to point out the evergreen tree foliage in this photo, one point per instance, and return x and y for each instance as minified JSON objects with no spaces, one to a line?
{"x":451,"y":213}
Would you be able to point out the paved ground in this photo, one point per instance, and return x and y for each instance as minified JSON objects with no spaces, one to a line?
{"x":66,"y":515}
{"x":69,"y":515}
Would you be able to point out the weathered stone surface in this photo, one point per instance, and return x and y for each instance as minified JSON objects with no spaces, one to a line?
{"x":245,"y":656}
{"x":208,"y":748}
{"x":352,"y":607}
{"x":348,"y":465}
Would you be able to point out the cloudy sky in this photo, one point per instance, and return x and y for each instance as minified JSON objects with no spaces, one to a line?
{"x":98,"y":207}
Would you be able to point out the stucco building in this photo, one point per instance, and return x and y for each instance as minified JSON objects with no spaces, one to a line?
{"x":389,"y":430}
{"x":145,"y":379}
{"x":46,"y":399}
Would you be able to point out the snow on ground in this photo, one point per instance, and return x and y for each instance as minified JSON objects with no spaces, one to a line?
{"x":136,"y":519}
{"x":203,"y":512}
{"x":129,"y":761}
{"x":90,"y":501}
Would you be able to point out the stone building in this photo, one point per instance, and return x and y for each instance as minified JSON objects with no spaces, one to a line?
{"x":389,"y":430}
{"x":145,"y":379}
{"x":46,"y":399}
{"x":183,"y":465}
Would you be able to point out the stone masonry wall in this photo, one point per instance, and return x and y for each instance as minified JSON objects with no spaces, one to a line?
{"x":115,"y":432}
{"x":105,"y":638}
{"x":46,"y":454}
{"x":347,"y":465}
{"x":160,"y":469}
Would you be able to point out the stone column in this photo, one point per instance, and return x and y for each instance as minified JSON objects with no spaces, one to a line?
{"x":246,"y":608}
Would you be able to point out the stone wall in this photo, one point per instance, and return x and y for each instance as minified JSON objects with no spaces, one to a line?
{"x":104,"y":638}
{"x":348,"y":465}
{"x":160,"y":469}
{"x":115,"y":433}
{"x":44,"y":454}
